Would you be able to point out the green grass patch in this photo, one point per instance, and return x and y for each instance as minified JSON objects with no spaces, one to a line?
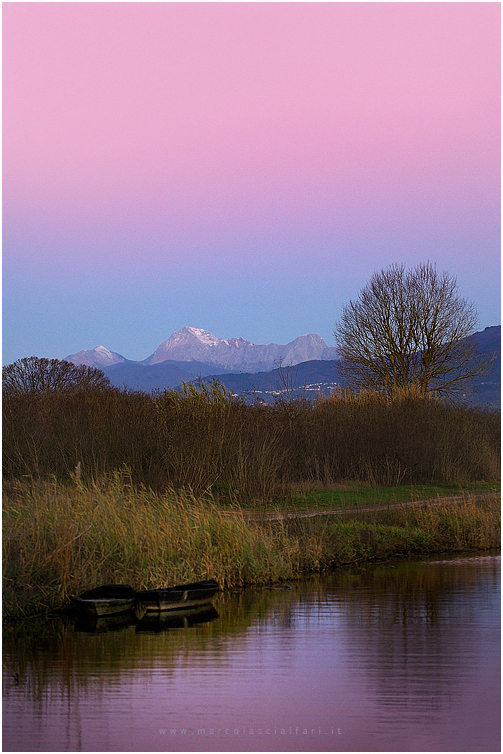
{"x":355,"y":494}
{"x":354,"y":541}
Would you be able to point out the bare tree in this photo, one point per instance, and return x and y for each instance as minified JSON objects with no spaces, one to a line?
{"x":409,"y":329}
{"x":38,"y":375}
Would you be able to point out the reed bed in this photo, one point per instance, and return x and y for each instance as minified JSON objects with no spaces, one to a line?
{"x":62,"y":539}
{"x":413,"y":531}
{"x":207,"y":441}
{"x":110,"y":485}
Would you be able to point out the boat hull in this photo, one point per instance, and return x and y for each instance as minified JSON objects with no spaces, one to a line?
{"x":110,"y":599}
{"x":159,"y":622}
{"x":103,"y":607}
{"x":115,"y":599}
{"x":177,"y":598}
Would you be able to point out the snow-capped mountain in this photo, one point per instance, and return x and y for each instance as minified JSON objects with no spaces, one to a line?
{"x":190,"y":354}
{"x":98,"y":357}
{"x":193,"y":344}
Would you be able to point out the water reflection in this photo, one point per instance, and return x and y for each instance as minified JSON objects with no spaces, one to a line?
{"x":158,"y":623}
{"x":395,"y":657}
{"x":153,"y":622}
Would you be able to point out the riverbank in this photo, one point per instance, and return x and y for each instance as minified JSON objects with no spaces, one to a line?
{"x":62,"y":539}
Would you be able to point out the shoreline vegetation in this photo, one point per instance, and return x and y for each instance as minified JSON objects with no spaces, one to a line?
{"x":110,"y":486}
{"x":60,"y":540}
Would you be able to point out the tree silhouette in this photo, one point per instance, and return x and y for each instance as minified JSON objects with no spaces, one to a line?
{"x":40,"y":375}
{"x":408,"y":329}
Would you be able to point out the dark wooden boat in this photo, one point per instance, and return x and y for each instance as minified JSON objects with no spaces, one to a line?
{"x":175,"y":598}
{"x":109,"y":599}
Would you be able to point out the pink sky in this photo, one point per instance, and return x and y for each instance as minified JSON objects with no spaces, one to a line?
{"x":183,"y":151}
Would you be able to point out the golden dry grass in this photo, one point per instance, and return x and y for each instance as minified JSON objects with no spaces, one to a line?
{"x":60,"y":540}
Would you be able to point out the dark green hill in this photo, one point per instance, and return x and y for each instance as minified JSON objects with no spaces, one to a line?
{"x":311,"y":377}
{"x":163,"y":376}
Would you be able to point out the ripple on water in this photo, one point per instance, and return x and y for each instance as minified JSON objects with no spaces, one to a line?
{"x":397,"y":657}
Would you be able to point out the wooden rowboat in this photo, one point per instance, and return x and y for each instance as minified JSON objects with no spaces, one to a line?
{"x":114,"y":599}
{"x":175,"y":598}
{"x":109,"y":599}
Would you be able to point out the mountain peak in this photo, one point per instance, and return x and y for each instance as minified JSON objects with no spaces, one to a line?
{"x":98,"y":357}
{"x":195,"y":344}
{"x":203,"y":336}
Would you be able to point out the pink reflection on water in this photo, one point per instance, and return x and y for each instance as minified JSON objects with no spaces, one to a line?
{"x":398,"y":658}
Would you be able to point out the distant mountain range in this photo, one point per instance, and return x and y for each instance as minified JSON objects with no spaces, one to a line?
{"x":304,"y":366}
{"x":191,"y":344}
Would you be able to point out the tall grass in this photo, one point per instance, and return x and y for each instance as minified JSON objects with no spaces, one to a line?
{"x":59,"y":540}
{"x":62,"y":539}
{"x":206,"y":441}
{"x":405,"y":439}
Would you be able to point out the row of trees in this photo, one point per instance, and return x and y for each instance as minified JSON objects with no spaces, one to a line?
{"x":34,"y":375}
{"x":207,"y":441}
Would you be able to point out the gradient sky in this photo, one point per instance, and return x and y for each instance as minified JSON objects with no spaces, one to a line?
{"x":240,"y":167}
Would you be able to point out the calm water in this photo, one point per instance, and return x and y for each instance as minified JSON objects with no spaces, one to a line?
{"x":402,"y":657}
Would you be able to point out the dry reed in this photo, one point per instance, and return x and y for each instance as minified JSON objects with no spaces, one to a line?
{"x":206,"y":441}
{"x":60,"y":540}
